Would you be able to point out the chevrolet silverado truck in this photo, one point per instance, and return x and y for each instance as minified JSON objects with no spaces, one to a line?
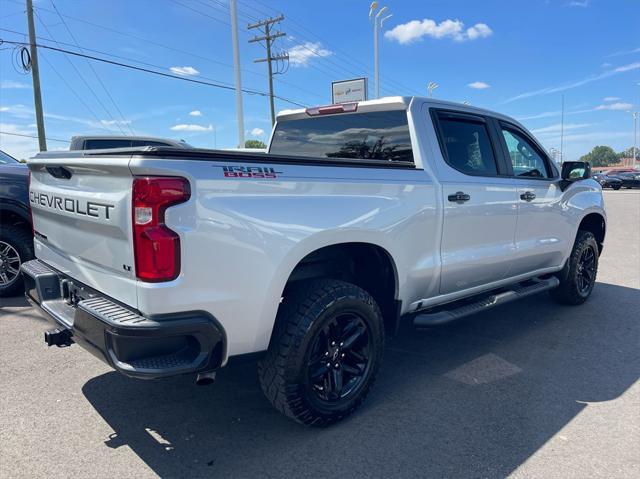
{"x":166,"y":261}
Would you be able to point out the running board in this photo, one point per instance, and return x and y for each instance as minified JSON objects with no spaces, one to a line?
{"x":518,"y":291}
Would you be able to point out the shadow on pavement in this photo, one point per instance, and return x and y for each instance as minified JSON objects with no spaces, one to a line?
{"x":475,"y":398}
{"x":14,"y":302}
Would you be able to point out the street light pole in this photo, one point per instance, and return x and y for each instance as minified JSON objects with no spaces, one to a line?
{"x":376,"y":78}
{"x":430,"y":87}
{"x":233,"y":9}
{"x":377,"y":23}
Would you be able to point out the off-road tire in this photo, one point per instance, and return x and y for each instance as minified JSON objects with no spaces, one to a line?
{"x":20,"y":239}
{"x":568,"y":292}
{"x":307,"y":308}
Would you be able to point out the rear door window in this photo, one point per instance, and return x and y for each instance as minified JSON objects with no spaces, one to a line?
{"x":380,"y":135}
{"x":467,"y":146}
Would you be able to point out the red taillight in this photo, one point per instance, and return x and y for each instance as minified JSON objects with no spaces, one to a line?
{"x":156,"y":247}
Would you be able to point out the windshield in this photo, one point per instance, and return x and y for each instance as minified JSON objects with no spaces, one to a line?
{"x":379,"y":135}
{"x":6,"y":159}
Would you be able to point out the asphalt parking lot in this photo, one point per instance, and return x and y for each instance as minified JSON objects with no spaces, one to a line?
{"x":530,"y":390}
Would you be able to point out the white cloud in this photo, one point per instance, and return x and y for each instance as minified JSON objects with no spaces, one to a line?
{"x":195,"y":113}
{"x":115,"y":122}
{"x":569,"y":86}
{"x":4,"y":108}
{"x":257,"y":132}
{"x":626,"y":68}
{"x":558,"y":127}
{"x":579,"y":3}
{"x":21,"y":147}
{"x":23,"y":112}
{"x":478,"y":85}
{"x":618,"y":106}
{"x":13,"y":84}
{"x":479,"y":30}
{"x":414,"y":30}
{"x":187,"y":71}
{"x":610,"y":98}
{"x":624,"y":52}
{"x":191,"y":127}
{"x":300,"y":55}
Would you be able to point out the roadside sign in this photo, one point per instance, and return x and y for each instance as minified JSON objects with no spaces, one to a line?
{"x":345,"y":91}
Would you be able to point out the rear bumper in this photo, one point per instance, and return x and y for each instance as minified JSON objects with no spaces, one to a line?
{"x":135,"y":345}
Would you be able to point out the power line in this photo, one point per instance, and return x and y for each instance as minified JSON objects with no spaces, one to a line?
{"x":161,"y":45}
{"x":33,"y":136}
{"x":104,"y":87}
{"x":200,"y":12}
{"x":82,"y":78}
{"x":75,"y":93}
{"x":353,"y":60}
{"x":327,"y":70}
{"x":212,"y":83}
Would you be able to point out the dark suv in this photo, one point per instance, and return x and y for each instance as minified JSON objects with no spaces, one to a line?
{"x":16,"y":241}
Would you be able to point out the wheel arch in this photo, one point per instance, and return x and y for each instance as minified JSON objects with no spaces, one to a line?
{"x":365,"y":264}
{"x":13,"y":214}
{"x":596,"y":224}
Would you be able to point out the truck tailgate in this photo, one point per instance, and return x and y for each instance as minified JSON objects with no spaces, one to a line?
{"x":82,"y":220}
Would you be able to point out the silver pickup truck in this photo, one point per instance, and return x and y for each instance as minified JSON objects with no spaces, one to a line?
{"x":165,"y":261}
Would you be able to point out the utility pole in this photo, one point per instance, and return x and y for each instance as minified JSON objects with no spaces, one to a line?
{"x":35,"y":76}
{"x":562,"y":133}
{"x":268,"y":38}
{"x":233,"y":8}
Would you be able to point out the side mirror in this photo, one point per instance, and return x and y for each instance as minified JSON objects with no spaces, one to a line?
{"x":576,"y":170}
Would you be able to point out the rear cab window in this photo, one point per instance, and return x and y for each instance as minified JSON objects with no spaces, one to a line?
{"x":106,"y":143}
{"x":376,"y":135}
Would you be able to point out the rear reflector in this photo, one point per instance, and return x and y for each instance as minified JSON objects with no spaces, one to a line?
{"x":332,"y":109}
{"x":156,"y":247}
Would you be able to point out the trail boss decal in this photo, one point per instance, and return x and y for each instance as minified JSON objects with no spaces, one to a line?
{"x":250,"y":172}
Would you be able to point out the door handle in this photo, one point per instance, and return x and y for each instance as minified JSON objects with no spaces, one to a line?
{"x":528,"y":196}
{"x":459,"y":197}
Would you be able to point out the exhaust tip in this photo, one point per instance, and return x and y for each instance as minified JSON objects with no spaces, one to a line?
{"x":204,"y":379}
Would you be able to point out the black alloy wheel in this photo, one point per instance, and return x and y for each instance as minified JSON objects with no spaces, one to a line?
{"x":339,"y":358}
{"x":586,"y":270}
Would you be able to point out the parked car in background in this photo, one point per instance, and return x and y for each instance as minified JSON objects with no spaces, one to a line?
{"x":630,"y":180}
{"x":607,"y":181}
{"x":16,"y":241}
{"x":108,"y":142}
{"x":617,"y":171}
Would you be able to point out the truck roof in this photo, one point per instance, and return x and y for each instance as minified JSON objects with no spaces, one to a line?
{"x":402,"y":102}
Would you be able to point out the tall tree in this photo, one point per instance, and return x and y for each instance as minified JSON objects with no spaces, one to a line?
{"x":601,"y":156}
{"x":628,"y":153}
{"x":254,"y":144}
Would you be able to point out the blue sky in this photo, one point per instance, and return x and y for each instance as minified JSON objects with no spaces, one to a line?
{"x":514,"y":56}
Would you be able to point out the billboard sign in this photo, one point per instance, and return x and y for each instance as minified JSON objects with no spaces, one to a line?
{"x":346,"y":91}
